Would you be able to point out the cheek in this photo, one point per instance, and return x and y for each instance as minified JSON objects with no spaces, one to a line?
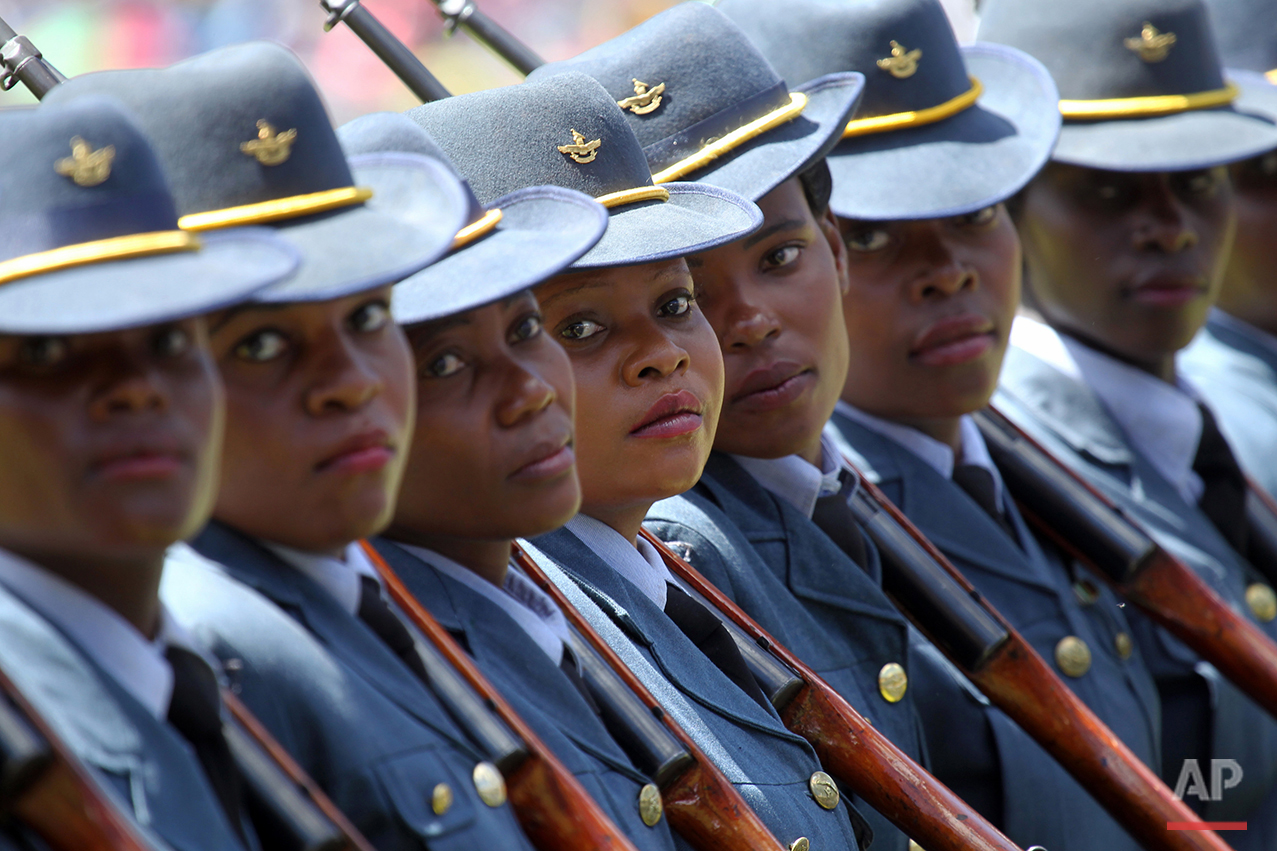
{"x":40,"y":448}
{"x":394,"y":363}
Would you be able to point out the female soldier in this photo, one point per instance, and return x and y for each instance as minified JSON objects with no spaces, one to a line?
{"x":110,"y":421}
{"x":1126,"y":236}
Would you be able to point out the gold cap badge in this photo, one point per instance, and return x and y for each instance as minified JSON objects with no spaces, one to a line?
{"x":901,"y":63}
{"x":1151,"y":45}
{"x":644,"y":100}
{"x":86,"y":166}
{"x":580,"y":150}
{"x":270,"y":148}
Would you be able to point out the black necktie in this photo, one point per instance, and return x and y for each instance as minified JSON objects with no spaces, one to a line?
{"x":979,"y":484}
{"x":382,"y":620}
{"x":1224,"y":488}
{"x":703,"y":628}
{"x":836,"y":519}
{"x":195,"y":711}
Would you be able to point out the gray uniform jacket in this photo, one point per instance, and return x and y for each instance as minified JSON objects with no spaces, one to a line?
{"x":1237,"y":375}
{"x":1066,"y":416}
{"x":1031,"y":586}
{"x":770,"y":766}
{"x":337,"y":698}
{"x":539,"y":692}
{"x":144,"y":761}
{"x":788,"y":576}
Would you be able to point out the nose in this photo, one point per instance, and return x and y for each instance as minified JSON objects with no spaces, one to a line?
{"x":655,"y":355}
{"x":748,"y":319}
{"x":132,"y":386}
{"x":345,"y":380}
{"x":526,"y":395}
{"x":942,"y":274}
{"x":1163,"y":225}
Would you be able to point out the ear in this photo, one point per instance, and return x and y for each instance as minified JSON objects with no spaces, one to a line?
{"x":829,"y":227}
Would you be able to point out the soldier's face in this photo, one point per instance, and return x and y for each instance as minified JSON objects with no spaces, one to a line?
{"x":1128,"y":262}
{"x":649,"y":380}
{"x":928,"y":312}
{"x":1250,"y":279}
{"x":319,"y":400}
{"x":110,"y":442}
{"x":492,"y":455}
{"x":775,"y":302}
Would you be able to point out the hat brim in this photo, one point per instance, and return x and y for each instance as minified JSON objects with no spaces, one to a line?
{"x":228,"y":268}
{"x":974,"y":159}
{"x":768,"y":160}
{"x":696,"y":217}
{"x":1198,"y":138}
{"x":543,"y":230}
{"x":416,"y":209}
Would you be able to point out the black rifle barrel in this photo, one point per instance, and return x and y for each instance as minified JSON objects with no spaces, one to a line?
{"x":389,"y":49}
{"x":464,"y":14}
{"x":22,"y":63}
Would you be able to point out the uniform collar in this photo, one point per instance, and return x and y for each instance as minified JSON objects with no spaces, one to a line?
{"x":1243,"y":329}
{"x":529,"y":606}
{"x":638,"y":562}
{"x":337,"y":576}
{"x":795,"y":480}
{"x":136,"y":663}
{"x":1161,"y":421}
{"x":936,"y":455}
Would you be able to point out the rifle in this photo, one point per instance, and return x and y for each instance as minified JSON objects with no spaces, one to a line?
{"x":700,"y":802}
{"x":556,"y":812}
{"x":464,"y":14}
{"x":49,"y":790}
{"x":22,"y":63}
{"x":1089,"y":527}
{"x":945,"y":607}
{"x":1261,"y":517}
{"x":857,"y":755}
{"x":390,"y":50}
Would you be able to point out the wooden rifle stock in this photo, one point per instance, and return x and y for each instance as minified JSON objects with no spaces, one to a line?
{"x":1020,"y":682}
{"x":700,"y":803}
{"x":856,"y":754}
{"x":1088,"y":526}
{"x":556,"y":812}
{"x":50,"y":791}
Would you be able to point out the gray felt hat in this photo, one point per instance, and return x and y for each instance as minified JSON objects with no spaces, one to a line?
{"x":521,"y":240}
{"x":731,"y":122}
{"x":244,"y":139}
{"x":941,"y":130}
{"x":1141,"y":84}
{"x":89,"y":240}
{"x":1246,"y":34}
{"x":566,"y":130}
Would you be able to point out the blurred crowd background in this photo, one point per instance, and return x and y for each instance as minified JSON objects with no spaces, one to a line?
{"x":89,"y":35}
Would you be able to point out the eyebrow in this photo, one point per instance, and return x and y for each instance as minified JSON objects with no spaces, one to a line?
{"x":587,"y":285}
{"x":424,"y":331}
{"x":235,"y":311}
{"x":771,"y":230}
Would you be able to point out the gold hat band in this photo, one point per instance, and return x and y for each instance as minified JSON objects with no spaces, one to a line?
{"x":1272,"y":76}
{"x":736,"y":138}
{"x":633,"y":196}
{"x":468,"y":234}
{"x":98,"y":251}
{"x":276,"y":209}
{"x":900,"y":120}
{"x":1146,"y":107}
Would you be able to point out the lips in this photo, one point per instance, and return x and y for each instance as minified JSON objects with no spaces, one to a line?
{"x":141,"y":461}
{"x":772,"y":387}
{"x":673,"y":415}
{"x":1168,"y":290}
{"x":365,"y":452}
{"x":953,"y":340}
{"x":548,"y":459}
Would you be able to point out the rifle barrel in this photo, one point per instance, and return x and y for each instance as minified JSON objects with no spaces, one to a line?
{"x":490,"y":34}
{"x":389,"y":49}
{"x":23,"y":63}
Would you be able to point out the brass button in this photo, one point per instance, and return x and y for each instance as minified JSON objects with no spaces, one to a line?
{"x":489,"y":783}
{"x":1122,"y":643}
{"x":800,"y":844}
{"x":1073,"y":656}
{"x":914,"y":846}
{"x":1262,"y":601}
{"x":441,"y":799}
{"x":824,"y":790}
{"x":892,"y":682}
{"x":1086,"y":592}
{"x":650,"y":807}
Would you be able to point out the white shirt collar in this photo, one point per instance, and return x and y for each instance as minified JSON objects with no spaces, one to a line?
{"x":639,"y":562}
{"x":1245,"y":329}
{"x":795,"y":480}
{"x":135,"y":662}
{"x":936,"y":455}
{"x":1160,"y":420}
{"x":339,"y":577}
{"x":529,"y":606}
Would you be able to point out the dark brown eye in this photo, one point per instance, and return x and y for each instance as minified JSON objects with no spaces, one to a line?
{"x":172,"y":342}
{"x":262,"y":346}
{"x":866,"y":240}
{"x":370,"y":317}
{"x":43,"y":351}
{"x":526,"y":328}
